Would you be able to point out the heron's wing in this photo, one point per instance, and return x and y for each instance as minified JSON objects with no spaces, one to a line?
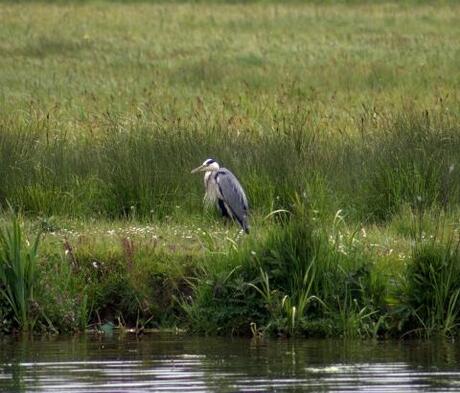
{"x":233,"y":195}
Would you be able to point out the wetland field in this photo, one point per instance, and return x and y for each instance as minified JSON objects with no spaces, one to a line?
{"x":341,"y":121}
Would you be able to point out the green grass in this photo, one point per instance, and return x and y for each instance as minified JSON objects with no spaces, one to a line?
{"x":18,"y":273}
{"x":344,"y":114}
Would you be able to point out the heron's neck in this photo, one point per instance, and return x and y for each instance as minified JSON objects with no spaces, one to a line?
{"x":206,"y":177}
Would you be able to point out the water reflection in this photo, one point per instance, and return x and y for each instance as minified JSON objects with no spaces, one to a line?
{"x":178,"y":363}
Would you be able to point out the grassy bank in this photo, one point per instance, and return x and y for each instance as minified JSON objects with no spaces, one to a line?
{"x":345,"y":116}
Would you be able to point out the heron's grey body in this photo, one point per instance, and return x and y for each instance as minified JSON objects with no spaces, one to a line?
{"x":223,"y":189}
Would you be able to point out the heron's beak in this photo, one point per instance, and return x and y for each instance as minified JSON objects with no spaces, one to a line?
{"x":199,"y":169}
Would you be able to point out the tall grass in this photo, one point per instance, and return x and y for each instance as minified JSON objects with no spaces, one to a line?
{"x":18,"y":272}
{"x":118,"y":114}
{"x":413,"y":163}
{"x":143,"y":169}
{"x":430,"y":293}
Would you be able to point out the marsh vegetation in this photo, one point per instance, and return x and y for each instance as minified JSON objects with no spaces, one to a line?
{"x":343,"y":118}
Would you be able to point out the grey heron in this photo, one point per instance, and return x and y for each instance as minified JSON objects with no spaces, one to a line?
{"x":223,"y":188}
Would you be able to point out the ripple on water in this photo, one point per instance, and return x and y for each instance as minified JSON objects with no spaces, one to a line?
{"x":207,"y":365}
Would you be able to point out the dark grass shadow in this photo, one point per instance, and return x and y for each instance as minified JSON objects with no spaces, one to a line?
{"x":44,"y":46}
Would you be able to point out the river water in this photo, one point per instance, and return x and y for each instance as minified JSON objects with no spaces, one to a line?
{"x":175,"y":363}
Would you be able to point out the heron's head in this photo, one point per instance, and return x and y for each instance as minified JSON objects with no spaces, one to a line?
{"x":209,"y":165}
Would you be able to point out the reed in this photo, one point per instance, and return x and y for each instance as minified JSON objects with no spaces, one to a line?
{"x":18,"y":272}
{"x":431,"y":295}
